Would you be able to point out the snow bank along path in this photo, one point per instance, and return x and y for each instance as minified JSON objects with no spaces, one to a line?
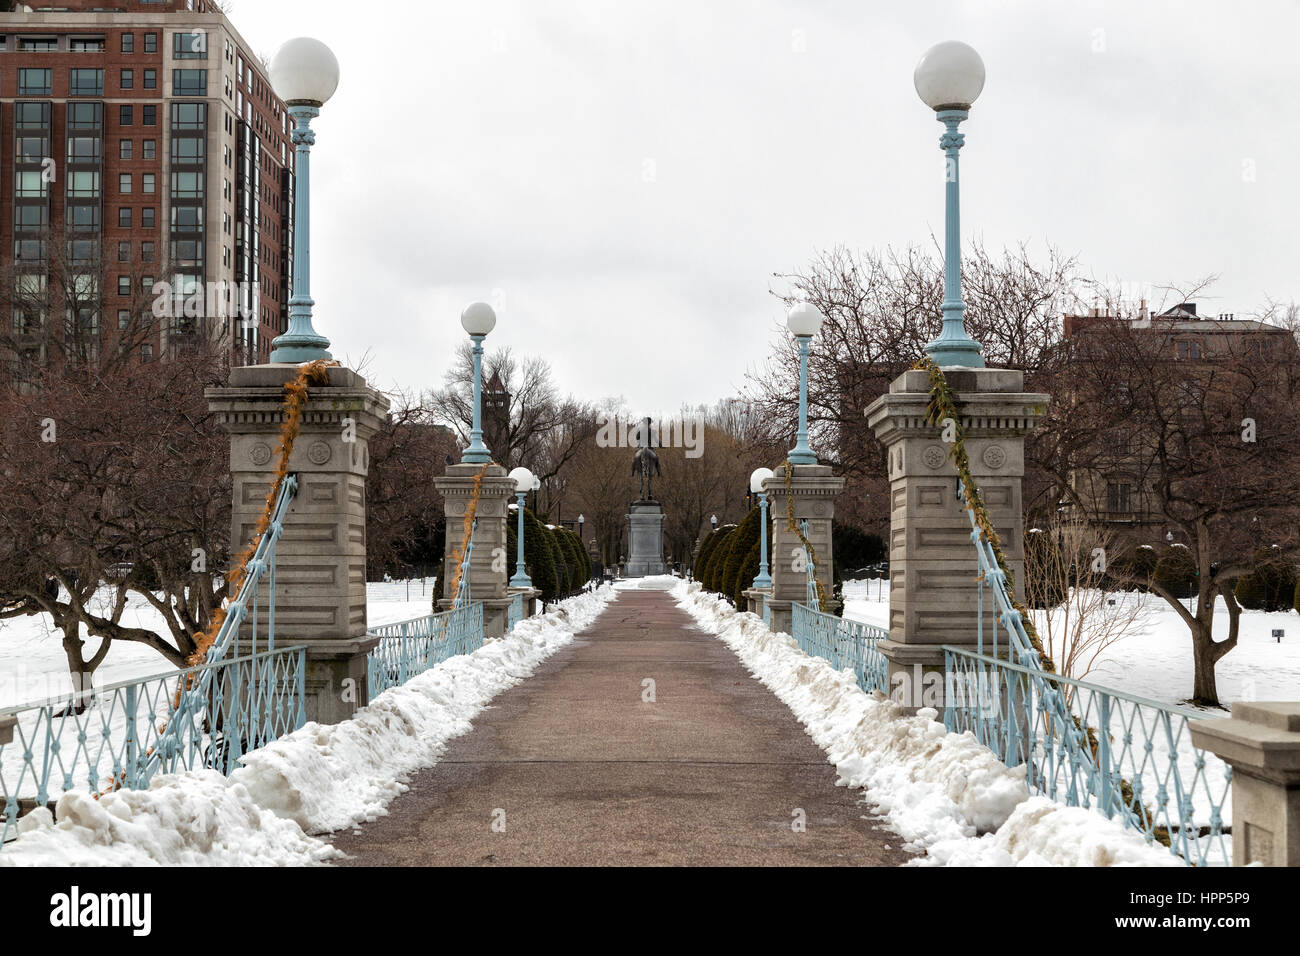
{"x":946,"y":794}
{"x":318,"y":779}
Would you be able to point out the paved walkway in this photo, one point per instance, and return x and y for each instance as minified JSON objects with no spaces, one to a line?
{"x":587,"y":773}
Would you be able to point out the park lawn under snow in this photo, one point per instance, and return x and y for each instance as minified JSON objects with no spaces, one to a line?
{"x":34,"y":668}
{"x":316,"y":780}
{"x":1155,"y":659}
{"x":945,"y":793}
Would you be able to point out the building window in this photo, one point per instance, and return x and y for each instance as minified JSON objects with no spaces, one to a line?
{"x":146,"y":353}
{"x":83,"y":183}
{"x":38,"y":44}
{"x":1189,"y":351}
{"x":190,"y":46}
{"x":86,"y":83}
{"x":86,"y":44}
{"x":1119,"y":497}
{"x":30,"y":184}
{"x":124,"y":183}
{"x":151,"y":79}
{"x":125,"y":116}
{"x":147,"y":183}
{"x":187,"y":150}
{"x":128,"y":42}
{"x":124,"y":252}
{"x":146,"y":253}
{"x":150,"y":148}
{"x":187,"y":185}
{"x":189,"y":82}
{"x":123,"y":319}
{"x":124,"y":217}
{"x":34,"y":82}
{"x":151,"y":43}
{"x":128,"y":79}
{"x":147,"y":217}
{"x":150,"y":115}
{"x":124,"y":149}
{"x":124,"y":285}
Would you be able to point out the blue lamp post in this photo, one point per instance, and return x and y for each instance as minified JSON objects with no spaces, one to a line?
{"x":804,"y":321}
{"x":523,"y":479}
{"x":763,"y":580}
{"x":478,"y":320}
{"x":304,"y":74}
{"x":948,"y":79}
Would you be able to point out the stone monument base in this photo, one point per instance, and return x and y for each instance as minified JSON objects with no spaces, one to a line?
{"x":645,"y":534}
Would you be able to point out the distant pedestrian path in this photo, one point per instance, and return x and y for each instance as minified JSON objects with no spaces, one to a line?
{"x":643,"y":742}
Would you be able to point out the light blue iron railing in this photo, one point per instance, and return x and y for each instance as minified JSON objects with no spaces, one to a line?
{"x":1128,"y":757}
{"x":843,"y":643}
{"x":116,"y":741}
{"x":408,"y":648}
{"x":515,"y":612}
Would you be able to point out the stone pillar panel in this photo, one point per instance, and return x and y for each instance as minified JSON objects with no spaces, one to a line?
{"x":320,"y":580}
{"x":813,"y":489}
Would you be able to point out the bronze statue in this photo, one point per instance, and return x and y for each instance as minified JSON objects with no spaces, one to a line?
{"x":646,"y":464}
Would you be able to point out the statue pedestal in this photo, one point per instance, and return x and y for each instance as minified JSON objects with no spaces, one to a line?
{"x":645,"y":523}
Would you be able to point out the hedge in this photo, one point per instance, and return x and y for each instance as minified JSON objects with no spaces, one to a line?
{"x":1271,"y":586}
{"x":743,"y":540}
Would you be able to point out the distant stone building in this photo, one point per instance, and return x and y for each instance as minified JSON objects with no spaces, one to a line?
{"x":1114,"y":480}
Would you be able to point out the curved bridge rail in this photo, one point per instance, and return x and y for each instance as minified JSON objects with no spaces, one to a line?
{"x":1129,"y":758}
{"x":207,"y":716}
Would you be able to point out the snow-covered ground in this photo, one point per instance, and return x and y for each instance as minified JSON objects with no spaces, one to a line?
{"x":33,"y":666}
{"x":945,"y":793}
{"x":318,"y":779}
{"x":1155,"y":660}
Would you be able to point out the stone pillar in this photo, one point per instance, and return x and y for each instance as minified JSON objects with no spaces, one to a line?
{"x":932,"y":559}
{"x":320,"y":580}
{"x":1261,"y":742}
{"x":489,"y":564}
{"x":813,"y":489}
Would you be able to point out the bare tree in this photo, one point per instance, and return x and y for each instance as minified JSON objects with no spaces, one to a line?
{"x":536,"y":427}
{"x":1066,"y":579}
{"x":1185,"y":430}
{"x":117,"y":484}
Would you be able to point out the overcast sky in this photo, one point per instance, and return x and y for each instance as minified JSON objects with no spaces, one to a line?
{"x":621,"y":179}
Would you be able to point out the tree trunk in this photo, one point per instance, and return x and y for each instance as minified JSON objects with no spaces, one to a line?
{"x":1205,"y":690}
{"x":81,"y":672}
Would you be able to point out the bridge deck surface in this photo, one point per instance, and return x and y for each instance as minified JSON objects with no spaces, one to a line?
{"x":589,"y":774}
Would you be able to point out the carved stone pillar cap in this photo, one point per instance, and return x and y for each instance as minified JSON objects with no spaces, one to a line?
{"x":1259,"y":739}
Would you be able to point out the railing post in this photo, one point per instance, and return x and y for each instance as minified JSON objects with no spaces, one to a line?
{"x":1103,"y":756}
{"x":131,"y":768}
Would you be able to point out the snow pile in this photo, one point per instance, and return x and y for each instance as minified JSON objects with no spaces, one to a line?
{"x":944,"y":793}
{"x":1041,"y":832}
{"x":181,"y":820}
{"x":317,"y":779}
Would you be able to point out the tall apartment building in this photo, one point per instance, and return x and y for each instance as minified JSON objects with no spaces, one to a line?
{"x":147,"y":188}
